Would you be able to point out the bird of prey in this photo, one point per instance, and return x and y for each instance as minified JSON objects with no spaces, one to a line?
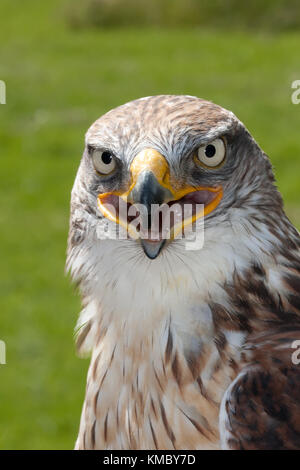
{"x":190,"y":348}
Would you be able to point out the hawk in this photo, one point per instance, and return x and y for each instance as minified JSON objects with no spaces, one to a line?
{"x":190,"y":348}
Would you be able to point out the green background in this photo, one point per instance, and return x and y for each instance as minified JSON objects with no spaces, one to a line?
{"x":59,"y":79}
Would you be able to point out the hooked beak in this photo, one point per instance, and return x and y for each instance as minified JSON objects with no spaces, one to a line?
{"x":150,"y":191}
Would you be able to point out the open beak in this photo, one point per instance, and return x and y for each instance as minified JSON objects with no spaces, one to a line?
{"x":151,"y":200}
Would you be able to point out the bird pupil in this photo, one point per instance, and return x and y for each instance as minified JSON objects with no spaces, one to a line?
{"x":106,"y":158}
{"x":210,"y":151}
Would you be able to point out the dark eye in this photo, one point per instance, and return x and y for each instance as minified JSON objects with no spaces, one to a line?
{"x":212,"y":154}
{"x":104,"y":161}
{"x":210,"y":150}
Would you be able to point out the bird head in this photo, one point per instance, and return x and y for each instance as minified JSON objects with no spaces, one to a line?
{"x":167,"y":152}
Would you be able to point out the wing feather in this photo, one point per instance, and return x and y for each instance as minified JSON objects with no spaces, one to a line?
{"x":261,"y":408}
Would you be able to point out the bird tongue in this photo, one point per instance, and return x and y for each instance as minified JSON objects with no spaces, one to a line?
{"x":152,"y":248}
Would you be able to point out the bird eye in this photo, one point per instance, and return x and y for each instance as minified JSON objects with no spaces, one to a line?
{"x":104,"y":161}
{"x":212,"y":154}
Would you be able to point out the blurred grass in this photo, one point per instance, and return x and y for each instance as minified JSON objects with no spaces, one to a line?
{"x":266,"y":15}
{"x":59,"y":81}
